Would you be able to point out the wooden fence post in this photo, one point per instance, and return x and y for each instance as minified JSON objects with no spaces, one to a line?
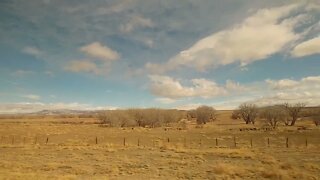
{"x":47,"y":140}
{"x":96,"y":140}
{"x":234,"y":140}
{"x":168,"y":140}
{"x":36,"y":139}
{"x":124,"y":141}
{"x":268,"y":142}
{"x":200,"y":142}
{"x":287,"y":142}
{"x":306,"y":142}
{"x":251,"y":142}
{"x":138,"y":142}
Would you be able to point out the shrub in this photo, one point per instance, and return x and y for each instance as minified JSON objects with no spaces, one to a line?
{"x":293,"y":111}
{"x":273,"y":115}
{"x":248,"y":112}
{"x":205,"y":114}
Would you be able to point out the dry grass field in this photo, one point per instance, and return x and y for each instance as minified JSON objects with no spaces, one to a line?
{"x":51,"y":148}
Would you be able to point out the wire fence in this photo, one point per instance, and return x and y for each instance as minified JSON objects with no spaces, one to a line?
{"x":186,"y":142}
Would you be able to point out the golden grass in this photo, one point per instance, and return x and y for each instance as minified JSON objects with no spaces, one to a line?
{"x":72,"y":152}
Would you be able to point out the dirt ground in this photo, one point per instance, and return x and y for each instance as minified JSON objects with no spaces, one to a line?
{"x":49,"y":149}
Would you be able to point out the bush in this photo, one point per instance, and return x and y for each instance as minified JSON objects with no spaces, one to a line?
{"x":294,"y":111}
{"x":248,"y":112}
{"x":205,"y":114}
{"x":235,"y":115}
{"x":273,"y":115}
{"x":316,"y":119}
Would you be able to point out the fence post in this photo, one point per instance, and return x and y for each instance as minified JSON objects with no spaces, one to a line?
{"x":168,"y":140}
{"x":306,"y":142}
{"x":235,"y":142}
{"x":268,"y":142}
{"x":287,"y":142}
{"x":217,"y":142}
{"x":124,"y":141}
{"x":200,"y":143}
{"x":138,"y":142}
{"x":36,"y":139}
{"x":47,"y":140}
{"x":96,"y":140}
{"x":251,"y":142}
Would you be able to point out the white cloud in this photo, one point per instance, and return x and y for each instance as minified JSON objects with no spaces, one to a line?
{"x":22,"y":73}
{"x":265,"y":33}
{"x":310,"y":98}
{"x":167,"y":87}
{"x":312,"y":79}
{"x":282,"y":84}
{"x":270,"y":92}
{"x":306,"y":48}
{"x":31,"y":96}
{"x":102,"y":57}
{"x":188,"y":106}
{"x":116,"y":8}
{"x":97,"y":50}
{"x":305,"y":90}
{"x":232,"y":86}
{"x":136,"y":22}
{"x":49,"y":73}
{"x":309,"y":82}
{"x":82,"y":66}
{"x":27,"y":107}
{"x":165,"y":100}
{"x":32,"y":51}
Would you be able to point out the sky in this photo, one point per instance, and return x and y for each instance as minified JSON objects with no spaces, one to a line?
{"x":109,"y":54}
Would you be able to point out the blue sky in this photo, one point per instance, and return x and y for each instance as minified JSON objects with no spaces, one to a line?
{"x":159,"y":53}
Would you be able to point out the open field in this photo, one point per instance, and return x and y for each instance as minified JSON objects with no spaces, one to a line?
{"x":51,"y":148}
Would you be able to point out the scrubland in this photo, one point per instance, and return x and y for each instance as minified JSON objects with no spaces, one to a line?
{"x":73,"y":148}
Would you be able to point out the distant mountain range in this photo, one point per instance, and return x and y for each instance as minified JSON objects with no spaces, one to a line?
{"x":61,"y":112}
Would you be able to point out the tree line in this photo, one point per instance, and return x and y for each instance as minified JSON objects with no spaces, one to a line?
{"x":153,"y":117}
{"x":249,"y":112}
{"x":286,"y":113}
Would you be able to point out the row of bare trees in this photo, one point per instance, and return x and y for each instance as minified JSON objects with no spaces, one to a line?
{"x":273,"y":115}
{"x":153,"y":117}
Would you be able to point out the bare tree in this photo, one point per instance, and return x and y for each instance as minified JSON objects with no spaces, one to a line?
{"x":117,"y":118}
{"x":205,"y":114}
{"x":293,"y":111}
{"x":171,"y":116}
{"x":273,"y":115}
{"x":248,"y":112}
{"x":235,"y":115}
{"x":316,"y":120}
{"x":191,"y":114}
{"x":138,"y":116}
{"x":151,"y":117}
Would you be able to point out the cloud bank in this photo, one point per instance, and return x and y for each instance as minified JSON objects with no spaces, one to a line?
{"x":266,"y":32}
